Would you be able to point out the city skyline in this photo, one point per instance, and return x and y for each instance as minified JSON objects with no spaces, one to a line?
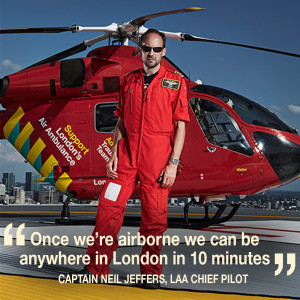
{"x":28,"y":186}
{"x":19,"y":180}
{"x":28,"y":192}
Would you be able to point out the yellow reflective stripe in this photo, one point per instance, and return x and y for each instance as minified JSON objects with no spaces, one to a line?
{"x":34,"y":152}
{"x":28,"y":287}
{"x":23,"y":136}
{"x":196,"y":8}
{"x":48,"y":166}
{"x":63,"y":182}
{"x":12,"y":122}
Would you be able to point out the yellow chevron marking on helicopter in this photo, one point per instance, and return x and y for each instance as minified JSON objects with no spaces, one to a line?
{"x":34,"y":152}
{"x":48,"y":166}
{"x":63,"y":182}
{"x":42,"y":179}
{"x":23,"y":136}
{"x":12,"y":122}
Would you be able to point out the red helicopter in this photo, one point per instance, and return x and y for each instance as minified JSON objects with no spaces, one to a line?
{"x":59,"y":114}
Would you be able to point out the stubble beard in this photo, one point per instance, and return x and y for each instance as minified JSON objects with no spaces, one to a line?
{"x":154,"y":63}
{"x":151,"y":66}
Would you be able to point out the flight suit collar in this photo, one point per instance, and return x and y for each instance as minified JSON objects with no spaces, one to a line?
{"x":160,"y":74}
{"x":139,"y":76}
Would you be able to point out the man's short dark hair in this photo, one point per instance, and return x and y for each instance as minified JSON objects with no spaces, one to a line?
{"x":152,"y":30}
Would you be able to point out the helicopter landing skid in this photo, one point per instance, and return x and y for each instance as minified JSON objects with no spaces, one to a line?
{"x":65,"y":213}
{"x":206,"y":221}
{"x":186,"y":222}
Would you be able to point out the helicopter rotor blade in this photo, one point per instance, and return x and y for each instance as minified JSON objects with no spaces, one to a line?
{"x":113,"y":28}
{"x":188,"y":37}
{"x":61,"y":55}
{"x":71,"y":51}
{"x":142,"y":20}
{"x":38,"y":30}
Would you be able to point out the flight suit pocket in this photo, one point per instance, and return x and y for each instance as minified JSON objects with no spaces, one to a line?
{"x":128,"y":101}
{"x":183,"y":105}
{"x":161,"y":116}
{"x":154,"y":211}
{"x":128,"y":110}
{"x":155,"y":198}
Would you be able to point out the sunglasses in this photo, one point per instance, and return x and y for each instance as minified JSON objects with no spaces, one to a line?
{"x":155,"y":49}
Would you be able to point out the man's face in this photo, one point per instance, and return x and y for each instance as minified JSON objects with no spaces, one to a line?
{"x":151,"y":59}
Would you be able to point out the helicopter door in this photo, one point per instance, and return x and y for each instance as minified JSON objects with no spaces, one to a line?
{"x":225,"y":141}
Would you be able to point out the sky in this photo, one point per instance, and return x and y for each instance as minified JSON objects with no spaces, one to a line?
{"x":270,"y":79}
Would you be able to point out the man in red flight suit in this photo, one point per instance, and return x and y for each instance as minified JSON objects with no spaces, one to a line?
{"x":148,"y":141}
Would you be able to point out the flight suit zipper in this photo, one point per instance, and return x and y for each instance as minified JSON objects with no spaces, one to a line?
{"x":144,"y":100}
{"x":142,"y":123}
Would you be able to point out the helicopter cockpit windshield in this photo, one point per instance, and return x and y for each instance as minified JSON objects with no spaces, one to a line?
{"x":249,"y":111}
{"x":219,"y":126}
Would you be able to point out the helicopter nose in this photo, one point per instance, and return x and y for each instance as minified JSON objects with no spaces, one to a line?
{"x":282,"y":154}
{"x":4,"y":83}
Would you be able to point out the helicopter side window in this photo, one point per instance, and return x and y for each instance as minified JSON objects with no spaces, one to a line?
{"x":72,"y":73}
{"x":105,"y":120}
{"x":219,"y":127}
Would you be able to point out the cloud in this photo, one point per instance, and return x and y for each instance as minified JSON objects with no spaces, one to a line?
{"x":9,"y":155}
{"x":295,"y":109}
{"x":7,"y":65}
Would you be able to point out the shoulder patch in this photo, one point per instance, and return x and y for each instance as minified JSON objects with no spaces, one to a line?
{"x":176,"y":72}
{"x":128,"y":73}
{"x":170,"y":83}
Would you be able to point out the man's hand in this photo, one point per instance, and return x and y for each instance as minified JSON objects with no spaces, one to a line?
{"x":112,"y":167}
{"x":169,"y":175}
{"x":112,"y":164}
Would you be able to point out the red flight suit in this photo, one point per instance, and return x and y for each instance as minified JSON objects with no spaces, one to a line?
{"x":149,"y":118}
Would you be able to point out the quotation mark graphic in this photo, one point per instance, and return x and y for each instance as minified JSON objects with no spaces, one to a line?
{"x":8,"y":238}
{"x":291,"y":260}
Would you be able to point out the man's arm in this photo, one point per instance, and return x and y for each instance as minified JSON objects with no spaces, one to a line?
{"x":169,"y":172}
{"x":112,"y":164}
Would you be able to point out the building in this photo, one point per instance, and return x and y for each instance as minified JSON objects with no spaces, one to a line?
{"x":30,"y":197}
{"x":48,"y":197}
{"x":4,"y":199}
{"x":2,"y":189}
{"x":18,"y":196}
{"x":30,"y":184}
{"x":9,"y":180}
